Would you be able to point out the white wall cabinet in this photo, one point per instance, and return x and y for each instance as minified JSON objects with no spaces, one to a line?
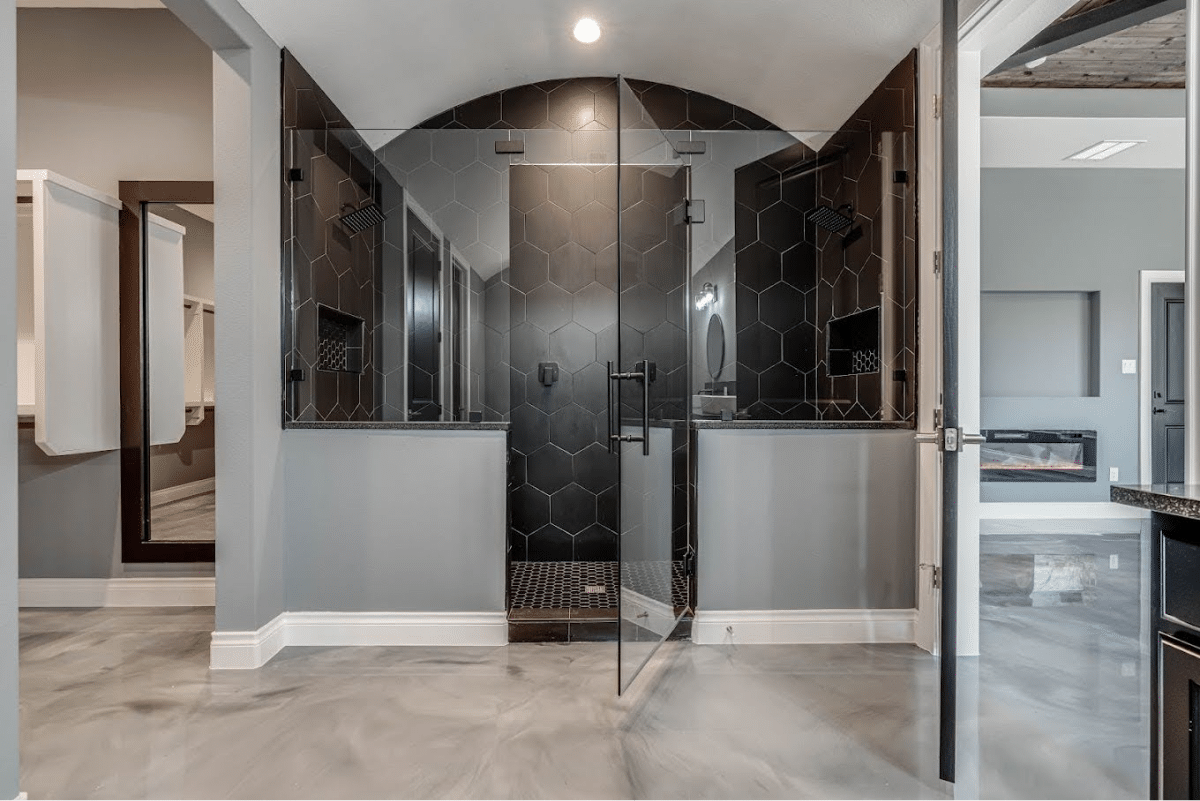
{"x":68,"y":313}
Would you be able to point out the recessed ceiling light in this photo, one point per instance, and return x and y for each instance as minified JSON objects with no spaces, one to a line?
{"x":1037,"y":62}
{"x":1105,"y":149}
{"x":587,"y":30}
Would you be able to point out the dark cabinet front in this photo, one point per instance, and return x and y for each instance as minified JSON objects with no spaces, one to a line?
{"x":1179,"y":677}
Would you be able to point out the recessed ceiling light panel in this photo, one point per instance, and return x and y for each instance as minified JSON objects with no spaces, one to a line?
{"x":1105,"y":149}
{"x":587,"y":30}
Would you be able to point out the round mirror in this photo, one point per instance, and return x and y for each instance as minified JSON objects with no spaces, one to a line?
{"x":716,"y":346}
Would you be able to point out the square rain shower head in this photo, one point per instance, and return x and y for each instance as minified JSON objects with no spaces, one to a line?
{"x":360,"y":220}
{"x":831,"y":219}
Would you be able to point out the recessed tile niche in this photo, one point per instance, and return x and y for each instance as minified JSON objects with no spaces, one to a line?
{"x":339,"y":341}
{"x":1040,"y":344}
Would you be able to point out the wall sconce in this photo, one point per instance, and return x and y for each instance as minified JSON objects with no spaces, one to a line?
{"x":706,"y":296}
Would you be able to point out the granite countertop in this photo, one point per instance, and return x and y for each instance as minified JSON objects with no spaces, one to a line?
{"x":802,"y":424}
{"x":322,"y":425}
{"x":1182,"y":500}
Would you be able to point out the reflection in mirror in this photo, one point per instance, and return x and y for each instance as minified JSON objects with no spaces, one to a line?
{"x":716,"y":347}
{"x":180,"y":397}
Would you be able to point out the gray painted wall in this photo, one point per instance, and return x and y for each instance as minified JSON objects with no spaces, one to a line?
{"x":395,"y":521}
{"x":9,"y":685}
{"x":1081,"y":231}
{"x":806,"y":520}
{"x":249,"y":437}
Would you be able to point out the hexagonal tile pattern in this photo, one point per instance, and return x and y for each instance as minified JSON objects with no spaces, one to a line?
{"x":547,"y":227}
{"x":549,"y":468}
{"x":592,"y":384}
{"x":529,"y":267}
{"x":454,"y":149}
{"x":572,"y":106}
{"x":573,"y":428}
{"x":477,"y":186}
{"x":758,"y":347}
{"x":573,"y":347}
{"x":643,"y":307}
{"x":594,"y":226}
{"x":552,"y":398}
{"x":432,"y":186}
{"x":595,"y":308}
{"x":572,"y":266}
{"x":530,"y":345}
{"x":781,"y":306}
{"x":665,"y":266}
{"x":643,"y":226}
{"x":530,"y":428}
{"x":530,"y":508}
{"x":595,"y":468}
{"x":573,"y":509}
{"x":529,"y":187}
{"x":548,"y":307}
{"x":778,"y":225}
{"x":571,"y":188}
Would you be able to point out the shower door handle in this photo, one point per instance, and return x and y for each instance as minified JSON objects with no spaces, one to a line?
{"x":642,"y":376}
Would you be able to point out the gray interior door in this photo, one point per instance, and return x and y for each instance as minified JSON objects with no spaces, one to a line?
{"x":1167,"y":383}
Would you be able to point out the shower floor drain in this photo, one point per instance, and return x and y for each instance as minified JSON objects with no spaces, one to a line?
{"x":593,"y":589}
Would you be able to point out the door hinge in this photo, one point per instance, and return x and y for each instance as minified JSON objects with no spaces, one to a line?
{"x":935,"y":574}
{"x":693,"y":211}
{"x":937,"y":262}
{"x":937,"y":107}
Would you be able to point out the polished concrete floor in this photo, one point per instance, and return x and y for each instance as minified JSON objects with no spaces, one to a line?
{"x":120,"y":703}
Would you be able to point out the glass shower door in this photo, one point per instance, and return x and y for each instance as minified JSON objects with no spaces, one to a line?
{"x":649,"y":386}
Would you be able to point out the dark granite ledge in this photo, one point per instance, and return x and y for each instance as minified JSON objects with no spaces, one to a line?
{"x":321,"y":425}
{"x":816,"y":425}
{"x":1181,"y":500}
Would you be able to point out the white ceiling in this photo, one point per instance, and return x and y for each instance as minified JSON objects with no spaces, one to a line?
{"x":803,"y":64}
{"x":1040,"y":128}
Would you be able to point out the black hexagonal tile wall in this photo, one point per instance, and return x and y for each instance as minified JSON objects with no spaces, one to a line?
{"x":595,"y":308}
{"x":595,"y":468}
{"x":552,"y":398}
{"x":573,"y":347}
{"x":572,"y":266}
{"x":781,"y":306}
{"x":547,"y":227}
{"x":530,"y":429}
{"x":530,"y":509}
{"x":758,"y":347}
{"x":549,"y":468}
{"x":573,"y":509}
{"x":548,"y":307}
{"x":594,"y":225}
{"x":643,"y":307}
{"x":529,"y":267}
{"x":572,"y":188}
{"x":573,"y":428}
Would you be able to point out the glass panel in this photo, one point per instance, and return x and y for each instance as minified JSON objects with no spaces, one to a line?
{"x":654,"y":401}
{"x":180,"y":399}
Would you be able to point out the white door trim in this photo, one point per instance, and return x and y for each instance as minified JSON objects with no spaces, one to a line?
{"x":1146,"y":281}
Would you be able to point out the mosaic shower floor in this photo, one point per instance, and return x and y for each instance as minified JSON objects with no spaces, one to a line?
{"x":553,"y":590}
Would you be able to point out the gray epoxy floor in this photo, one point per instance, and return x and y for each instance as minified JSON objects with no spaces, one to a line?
{"x":120,"y":703}
{"x":191,"y":519}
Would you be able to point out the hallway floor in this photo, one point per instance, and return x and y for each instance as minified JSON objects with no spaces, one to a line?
{"x":120,"y":703}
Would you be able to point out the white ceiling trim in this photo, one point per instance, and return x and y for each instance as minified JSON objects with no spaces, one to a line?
{"x":89,"y":4}
{"x":1046,"y":142}
{"x":803,"y":64}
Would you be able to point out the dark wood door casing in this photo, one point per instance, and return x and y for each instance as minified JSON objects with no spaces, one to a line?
{"x":135,"y":457}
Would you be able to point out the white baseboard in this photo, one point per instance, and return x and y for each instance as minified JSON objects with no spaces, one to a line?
{"x":804,"y":626}
{"x":247,"y":650}
{"x":172,"y":494}
{"x":253,"y":649}
{"x":129,"y":591}
{"x":651,"y":614}
{"x":1099,"y":510}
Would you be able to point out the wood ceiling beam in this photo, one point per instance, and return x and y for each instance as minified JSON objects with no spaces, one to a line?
{"x":1089,"y":26}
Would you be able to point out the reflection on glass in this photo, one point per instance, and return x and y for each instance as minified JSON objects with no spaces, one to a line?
{"x":181,"y":401}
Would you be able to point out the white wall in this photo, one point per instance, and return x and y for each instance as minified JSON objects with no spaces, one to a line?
{"x":106,"y":95}
{"x":9,"y":686}
{"x":103,"y":95}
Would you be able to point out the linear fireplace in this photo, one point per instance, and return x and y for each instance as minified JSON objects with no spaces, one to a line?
{"x":1038,"y":455}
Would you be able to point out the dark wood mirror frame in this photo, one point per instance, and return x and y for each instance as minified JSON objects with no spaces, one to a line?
{"x":135,"y":458}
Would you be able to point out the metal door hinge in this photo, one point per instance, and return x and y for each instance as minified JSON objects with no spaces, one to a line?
{"x":693,"y":211}
{"x":937,"y":107}
{"x":937,"y":262}
{"x":935,"y":574}
{"x":688,"y":147}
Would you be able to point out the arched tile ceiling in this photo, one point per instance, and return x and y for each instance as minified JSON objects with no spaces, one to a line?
{"x":802,"y":64}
